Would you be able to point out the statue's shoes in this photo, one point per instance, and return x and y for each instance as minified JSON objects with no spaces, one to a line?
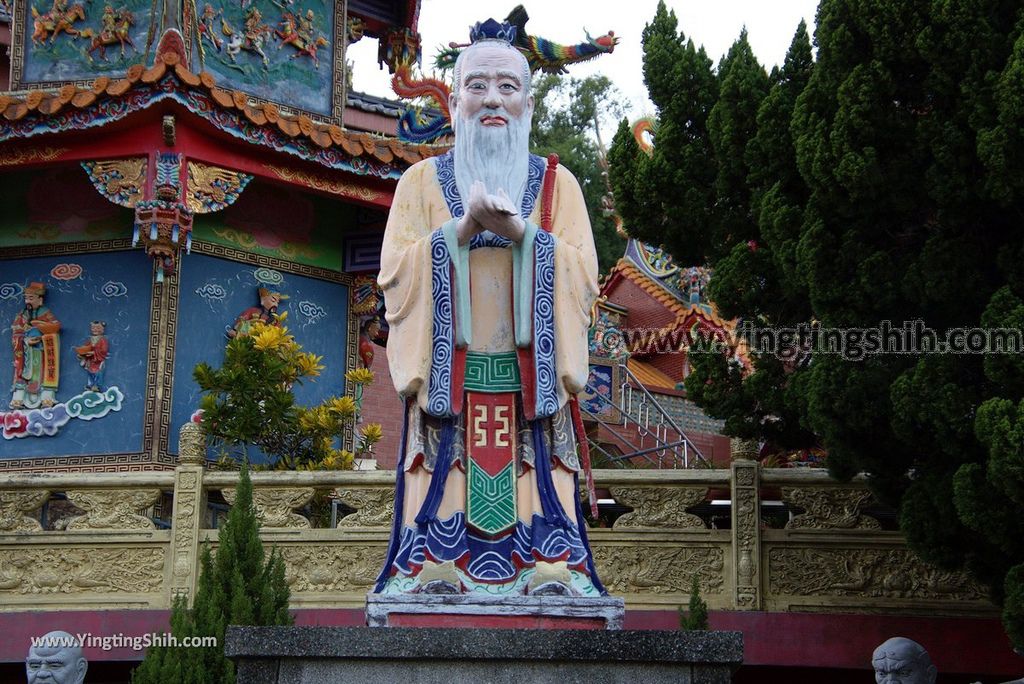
{"x":551,"y":589}
{"x":439,"y":586}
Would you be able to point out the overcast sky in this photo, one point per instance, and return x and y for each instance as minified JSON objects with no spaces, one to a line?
{"x":713,"y":23}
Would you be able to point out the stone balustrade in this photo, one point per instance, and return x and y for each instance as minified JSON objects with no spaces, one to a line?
{"x":823,"y":554}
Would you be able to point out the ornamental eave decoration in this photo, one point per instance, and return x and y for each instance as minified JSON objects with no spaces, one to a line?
{"x":40,"y":113}
{"x":687,"y":314}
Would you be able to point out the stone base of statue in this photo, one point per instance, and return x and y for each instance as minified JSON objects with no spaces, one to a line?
{"x":494,"y":612}
{"x":318,"y":655}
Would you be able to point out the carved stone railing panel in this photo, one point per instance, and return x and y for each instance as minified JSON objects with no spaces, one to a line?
{"x":325,"y":569}
{"x":275,"y":506}
{"x":659,"y":507}
{"x":868,"y":574}
{"x":831,"y":558}
{"x":830,"y":508}
{"x":112,"y":509}
{"x":635,"y":569}
{"x":186,"y":516}
{"x":374,"y":507}
{"x":16,"y":508}
{"x":85,"y":570}
{"x":746,"y":534}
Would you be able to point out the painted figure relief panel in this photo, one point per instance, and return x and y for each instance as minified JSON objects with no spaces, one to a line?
{"x":220,"y":298}
{"x":601,"y":395}
{"x":31,"y":217}
{"x":75,"y":347}
{"x":289,"y":52}
{"x":62,"y":41}
{"x":280,"y":222}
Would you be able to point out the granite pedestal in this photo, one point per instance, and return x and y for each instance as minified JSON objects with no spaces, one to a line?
{"x":317,"y":655}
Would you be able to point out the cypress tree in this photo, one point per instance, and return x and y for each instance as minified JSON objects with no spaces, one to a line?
{"x":757,"y":280}
{"x":732,"y":123}
{"x":667,"y":198}
{"x":697,"y":616}
{"x":238,"y":587}
{"x":893,"y":194}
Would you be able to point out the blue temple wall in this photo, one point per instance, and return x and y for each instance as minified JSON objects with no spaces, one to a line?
{"x":78,"y":244}
{"x":115,"y":287}
{"x":214,"y":291}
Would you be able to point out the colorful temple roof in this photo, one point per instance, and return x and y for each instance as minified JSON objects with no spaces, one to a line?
{"x":678,"y":295}
{"x":29,"y":114}
{"x":650,"y":377}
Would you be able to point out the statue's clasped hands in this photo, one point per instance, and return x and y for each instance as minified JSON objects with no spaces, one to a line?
{"x":495,"y":213}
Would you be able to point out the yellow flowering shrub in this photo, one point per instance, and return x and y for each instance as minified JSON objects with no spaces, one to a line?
{"x":250,"y":400}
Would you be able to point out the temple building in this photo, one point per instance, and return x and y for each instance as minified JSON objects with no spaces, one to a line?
{"x":166,"y":197}
{"x":646,"y":313}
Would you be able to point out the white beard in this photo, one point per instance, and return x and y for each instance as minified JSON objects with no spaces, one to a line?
{"x":499,"y":156}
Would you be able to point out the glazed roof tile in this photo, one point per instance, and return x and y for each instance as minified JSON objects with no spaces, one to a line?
{"x":19,"y":107}
{"x":649,"y":376}
{"x":374,"y":104}
{"x":681,"y":310}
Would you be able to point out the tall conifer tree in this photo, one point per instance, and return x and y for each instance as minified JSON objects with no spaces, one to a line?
{"x":238,"y":587}
{"x":894,"y":194}
{"x":667,"y":198}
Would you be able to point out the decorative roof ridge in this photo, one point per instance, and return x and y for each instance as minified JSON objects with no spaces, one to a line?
{"x":625,"y":268}
{"x":663,"y":296}
{"x":17,"y":105}
{"x":375,"y":104}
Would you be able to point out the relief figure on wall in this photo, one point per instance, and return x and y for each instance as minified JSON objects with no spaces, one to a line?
{"x":265,"y":313}
{"x":35,"y":337}
{"x":92,"y":355}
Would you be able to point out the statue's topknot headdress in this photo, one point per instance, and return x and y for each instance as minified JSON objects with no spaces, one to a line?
{"x":492,"y":30}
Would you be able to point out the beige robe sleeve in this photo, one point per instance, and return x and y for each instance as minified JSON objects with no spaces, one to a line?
{"x":576,"y":285}
{"x":405,"y":275}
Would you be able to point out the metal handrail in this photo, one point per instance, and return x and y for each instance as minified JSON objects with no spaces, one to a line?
{"x":629,"y":374}
{"x":643,"y":424}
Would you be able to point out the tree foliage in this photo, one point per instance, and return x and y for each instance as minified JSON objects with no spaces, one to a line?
{"x":883,"y":182}
{"x":241,"y":586}
{"x":667,"y":198}
{"x":567,"y":120}
{"x":249,"y":400}
{"x":696,"y":618}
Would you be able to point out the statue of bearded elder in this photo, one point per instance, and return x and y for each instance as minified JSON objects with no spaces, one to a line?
{"x":489,"y":273}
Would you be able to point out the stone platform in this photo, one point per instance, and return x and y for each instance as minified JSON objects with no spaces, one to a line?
{"x":494,"y":612}
{"x":317,"y":655}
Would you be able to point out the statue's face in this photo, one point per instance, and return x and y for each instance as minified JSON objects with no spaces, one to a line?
{"x":492,"y":86}
{"x":902,"y":663}
{"x":62,"y":666}
{"x":96,"y":329}
{"x":33,"y":300}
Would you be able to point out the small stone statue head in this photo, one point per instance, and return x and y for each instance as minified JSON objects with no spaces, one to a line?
{"x":902,"y":661}
{"x":56,"y":659}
